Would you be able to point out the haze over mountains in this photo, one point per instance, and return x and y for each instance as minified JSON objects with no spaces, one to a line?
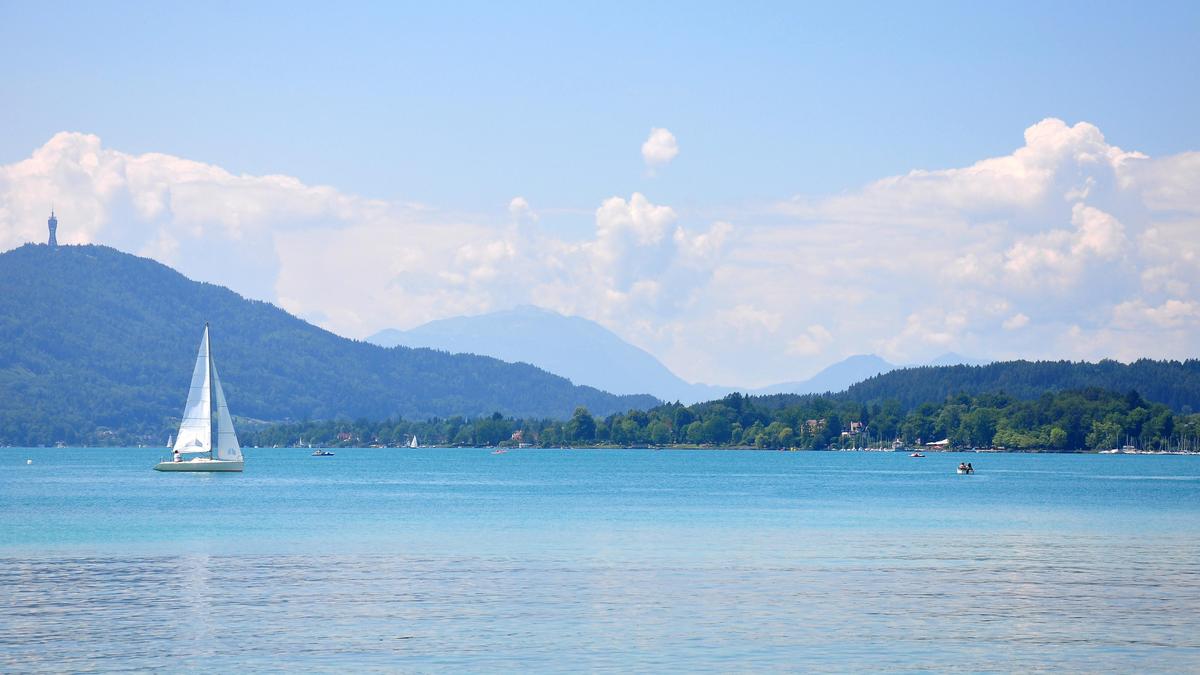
{"x":587,"y":353}
{"x":91,"y":337}
{"x":576,"y":348}
{"x":94,"y":339}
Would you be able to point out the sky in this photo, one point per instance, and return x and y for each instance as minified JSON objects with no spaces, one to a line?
{"x":749,"y":191}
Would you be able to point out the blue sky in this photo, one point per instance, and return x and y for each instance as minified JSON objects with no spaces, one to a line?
{"x":998,"y":179}
{"x":465,"y":104}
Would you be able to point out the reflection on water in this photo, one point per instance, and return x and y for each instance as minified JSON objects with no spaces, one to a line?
{"x":1073,"y":604}
{"x":602,"y":561}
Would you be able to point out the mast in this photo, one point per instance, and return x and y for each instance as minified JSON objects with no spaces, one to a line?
{"x":212,"y":444}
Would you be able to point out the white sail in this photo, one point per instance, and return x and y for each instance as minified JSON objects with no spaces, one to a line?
{"x":413,"y":442}
{"x":227,"y":442}
{"x":195,"y":431}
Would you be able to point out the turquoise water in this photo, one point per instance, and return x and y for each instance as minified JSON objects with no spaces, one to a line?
{"x":457,"y":559}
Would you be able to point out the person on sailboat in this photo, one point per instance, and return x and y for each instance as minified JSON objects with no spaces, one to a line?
{"x":175,"y":455}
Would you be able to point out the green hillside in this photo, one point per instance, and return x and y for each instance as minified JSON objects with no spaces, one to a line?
{"x":1172,"y":383}
{"x":93,"y":338}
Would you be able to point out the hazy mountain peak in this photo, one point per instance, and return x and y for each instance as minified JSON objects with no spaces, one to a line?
{"x":585,"y":352}
{"x":576,"y":348}
{"x":835,"y":377}
{"x":953,"y":359}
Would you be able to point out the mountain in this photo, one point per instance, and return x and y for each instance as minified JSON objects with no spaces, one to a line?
{"x":1173,"y":383}
{"x":581,"y":350}
{"x":952,"y":359}
{"x":587,"y":353}
{"x":836,"y":377}
{"x":93,"y":338}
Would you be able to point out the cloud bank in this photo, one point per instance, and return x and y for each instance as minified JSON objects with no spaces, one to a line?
{"x":1068,"y":247}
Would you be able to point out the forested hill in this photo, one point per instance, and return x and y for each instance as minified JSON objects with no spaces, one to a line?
{"x":92,"y":338}
{"x":1172,"y":383}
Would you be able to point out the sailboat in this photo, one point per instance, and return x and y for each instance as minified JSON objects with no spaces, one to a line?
{"x":413,"y":442}
{"x":196,"y":433}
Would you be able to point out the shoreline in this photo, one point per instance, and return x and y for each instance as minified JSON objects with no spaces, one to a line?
{"x":679,"y":446}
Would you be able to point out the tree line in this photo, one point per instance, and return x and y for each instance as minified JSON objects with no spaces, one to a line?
{"x":1175,"y":384}
{"x":1068,"y":421}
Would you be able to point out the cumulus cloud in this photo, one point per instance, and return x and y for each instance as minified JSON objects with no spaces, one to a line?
{"x":1171,"y":314}
{"x":1059,"y":256}
{"x":811,"y":342}
{"x":195,"y":216}
{"x":1097,"y":246}
{"x":520,"y":210}
{"x":423,"y":269}
{"x":1015,"y":322}
{"x":660,"y":148}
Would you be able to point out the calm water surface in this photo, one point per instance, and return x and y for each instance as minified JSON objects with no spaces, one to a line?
{"x":636,"y":560}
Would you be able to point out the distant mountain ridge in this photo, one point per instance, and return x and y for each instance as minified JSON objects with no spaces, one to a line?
{"x":833,"y":378}
{"x":578,"y":349}
{"x":587,"y":353}
{"x":91,"y":337}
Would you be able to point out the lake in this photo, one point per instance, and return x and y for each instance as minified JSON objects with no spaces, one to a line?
{"x":603,"y":560}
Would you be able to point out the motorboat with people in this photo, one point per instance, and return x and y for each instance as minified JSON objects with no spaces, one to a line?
{"x":965,"y":468}
{"x":321,"y":452}
{"x":916,"y":454}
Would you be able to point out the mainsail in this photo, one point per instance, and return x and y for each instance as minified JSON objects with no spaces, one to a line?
{"x":195,"y":431}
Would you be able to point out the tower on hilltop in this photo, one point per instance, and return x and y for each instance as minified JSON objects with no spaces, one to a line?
{"x":53,"y":225}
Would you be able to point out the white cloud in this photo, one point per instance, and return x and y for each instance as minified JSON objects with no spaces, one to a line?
{"x":1171,"y":314}
{"x":1098,"y":244}
{"x":195,"y":216}
{"x":1015,"y":322}
{"x":520,"y":210}
{"x":811,"y":342}
{"x":660,"y":148}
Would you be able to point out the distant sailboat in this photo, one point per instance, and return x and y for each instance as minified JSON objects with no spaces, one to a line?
{"x":413,"y":442}
{"x":196,"y":430}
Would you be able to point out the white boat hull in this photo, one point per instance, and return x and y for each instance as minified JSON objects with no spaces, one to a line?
{"x":200,"y":464}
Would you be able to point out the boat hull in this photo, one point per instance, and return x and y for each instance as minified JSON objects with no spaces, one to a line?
{"x":203,"y":464}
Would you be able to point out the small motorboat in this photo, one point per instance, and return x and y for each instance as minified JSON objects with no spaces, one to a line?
{"x":916,"y":454}
{"x":499,"y":451}
{"x":321,"y":453}
{"x":965,"y":470}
